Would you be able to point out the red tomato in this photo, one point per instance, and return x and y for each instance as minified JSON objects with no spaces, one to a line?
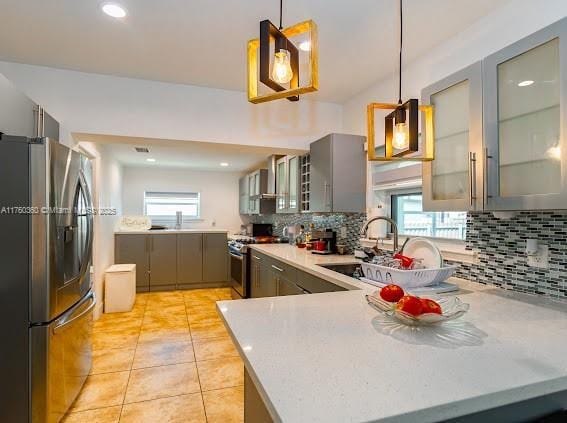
{"x":430,"y":306}
{"x":391,"y":293}
{"x":411,"y":305}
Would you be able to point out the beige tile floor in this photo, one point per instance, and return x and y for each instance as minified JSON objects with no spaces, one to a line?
{"x":169,"y":360}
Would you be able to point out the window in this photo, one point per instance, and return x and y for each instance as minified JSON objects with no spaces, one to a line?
{"x":163,"y":206}
{"x":408,"y":213}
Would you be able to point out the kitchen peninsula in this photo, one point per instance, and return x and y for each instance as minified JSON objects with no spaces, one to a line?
{"x":330,"y":357}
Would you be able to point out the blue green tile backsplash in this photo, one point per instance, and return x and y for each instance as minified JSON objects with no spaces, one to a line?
{"x":501,"y":244}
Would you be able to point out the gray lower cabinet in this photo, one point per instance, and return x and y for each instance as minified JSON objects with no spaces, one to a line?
{"x":315,"y":285}
{"x":134,"y":249}
{"x":215,"y":258}
{"x":286,"y":287}
{"x":163,"y":261}
{"x":189,"y":259}
{"x":270,"y":278}
{"x":170,"y":261}
{"x":255,"y":410}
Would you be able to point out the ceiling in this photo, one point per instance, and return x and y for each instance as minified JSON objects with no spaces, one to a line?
{"x":185,"y":154}
{"x":203,"y":42}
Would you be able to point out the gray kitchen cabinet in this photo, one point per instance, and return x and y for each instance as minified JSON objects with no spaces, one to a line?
{"x":243,"y":195}
{"x":255,"y":410}
{"x":189,"y":259}
{"x":453,"y":181}
{"x":312,"y":284}
{"x":525,"y":125}
{"x":338,"y":174}
{"x":255,"y":271}
{"x":163,"y":261}
{"x":255,"y":187}
{"x":134,"y":249}
{"x":287,"y":287}
{"x":262,"y":280}
{"x":215,"y":257}
{"x":288,"y":184}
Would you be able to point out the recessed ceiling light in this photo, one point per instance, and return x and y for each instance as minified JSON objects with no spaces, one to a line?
{"x":305,"y":46}
{"x":114,"y":10}
{"x":151,"y":160}
{"x":224,"y":164}
{"x":526,"y":83}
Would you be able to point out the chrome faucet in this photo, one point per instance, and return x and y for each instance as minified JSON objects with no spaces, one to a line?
{"x":364,"y":230}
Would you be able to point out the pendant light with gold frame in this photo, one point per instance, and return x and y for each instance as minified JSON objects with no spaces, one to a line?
{"x":401,"y":126}
{"x":283,"y":79}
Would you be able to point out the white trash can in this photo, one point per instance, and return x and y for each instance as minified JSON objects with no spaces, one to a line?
{"x":119,"y":288}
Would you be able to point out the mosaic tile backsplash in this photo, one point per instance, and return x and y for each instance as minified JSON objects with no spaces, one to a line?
{"x":501,"y":245}
{"x":351,"y":221}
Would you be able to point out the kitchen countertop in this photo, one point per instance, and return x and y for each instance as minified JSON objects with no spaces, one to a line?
{"x":332,"y":358}
{"x":173,"y":231}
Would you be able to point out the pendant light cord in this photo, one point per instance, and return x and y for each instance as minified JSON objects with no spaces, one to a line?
{"x":401,"y":43}
{"x":281,"y":13}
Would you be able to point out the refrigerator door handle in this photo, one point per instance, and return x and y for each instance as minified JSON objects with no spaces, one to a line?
{"x":88,"y":198}
{"x":72,"y":317}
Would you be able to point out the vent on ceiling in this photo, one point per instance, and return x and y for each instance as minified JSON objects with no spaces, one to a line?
{"x":142,"y":150}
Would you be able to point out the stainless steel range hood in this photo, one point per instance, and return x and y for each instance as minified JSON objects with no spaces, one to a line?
{"x":270,"y":192}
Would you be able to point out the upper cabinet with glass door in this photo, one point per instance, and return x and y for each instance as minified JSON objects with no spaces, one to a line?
{"x":525,"y":94}
{"x":287,"y":185}
{"x":453,"y":181}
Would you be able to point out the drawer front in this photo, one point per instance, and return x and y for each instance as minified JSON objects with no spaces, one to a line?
{"x":314,"y":285}
{"x":283,"y":270}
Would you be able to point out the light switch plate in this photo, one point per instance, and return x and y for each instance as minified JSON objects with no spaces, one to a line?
{"x":343,"y":232}
{"x":541,"y":259}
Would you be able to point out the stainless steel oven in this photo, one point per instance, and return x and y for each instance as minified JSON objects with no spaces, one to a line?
{"x":239,"y":269}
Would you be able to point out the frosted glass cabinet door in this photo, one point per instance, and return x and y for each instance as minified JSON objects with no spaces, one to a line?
{"x":281,"y":186}
{"x":452,"y":182}
{"x":525,"y":92}
{"x":293,"y":183}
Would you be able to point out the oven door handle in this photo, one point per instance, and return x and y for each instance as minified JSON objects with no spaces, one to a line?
{"x":236,"y":256}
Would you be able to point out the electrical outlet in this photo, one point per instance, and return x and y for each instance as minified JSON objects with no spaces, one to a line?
{"x":343,"y":233}
{"x":541,"y":258}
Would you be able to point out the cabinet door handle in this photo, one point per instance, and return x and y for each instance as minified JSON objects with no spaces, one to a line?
{"x":279,"y":269}
{"x":256,"y":257}
{"x":487,"y":156}
{"x":472,"y":179}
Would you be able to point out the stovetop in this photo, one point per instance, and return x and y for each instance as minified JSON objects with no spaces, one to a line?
{"x":239,"y":244}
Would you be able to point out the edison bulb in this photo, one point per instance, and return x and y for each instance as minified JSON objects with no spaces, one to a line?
{"x":400,"y":139}
{"x":281,"y":71}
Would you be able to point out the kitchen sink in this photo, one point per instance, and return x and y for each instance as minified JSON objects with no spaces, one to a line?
{"x":347,"y":269}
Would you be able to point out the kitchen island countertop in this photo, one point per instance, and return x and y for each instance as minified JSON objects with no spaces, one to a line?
{"x":332,"y":358}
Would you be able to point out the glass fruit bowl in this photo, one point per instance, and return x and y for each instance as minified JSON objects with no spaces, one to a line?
{"x":451,"y":308}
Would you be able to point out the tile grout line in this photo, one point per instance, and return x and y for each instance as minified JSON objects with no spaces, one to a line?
{"x":132,"y":364}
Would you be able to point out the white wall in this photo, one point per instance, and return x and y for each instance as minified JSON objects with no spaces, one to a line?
{"x":506,"y":25}
{"x":101,"y":104}
{"x":219,"y":193}
{"x":107,"y":193}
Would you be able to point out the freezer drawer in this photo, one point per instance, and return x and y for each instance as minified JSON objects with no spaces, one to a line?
{"x":60,"y":360}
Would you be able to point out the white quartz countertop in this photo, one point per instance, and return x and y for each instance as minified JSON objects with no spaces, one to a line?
{"x":332,"y":358}
{"x":174,"y":231}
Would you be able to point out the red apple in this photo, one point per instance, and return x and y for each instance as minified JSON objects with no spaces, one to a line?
{"x":430,"y":306}
{"x":391,"y":293}
{"x":411,"y":305}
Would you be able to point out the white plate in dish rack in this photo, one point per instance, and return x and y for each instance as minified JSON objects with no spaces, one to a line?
{"x":439,"y":288}
{"x":421,"y":248}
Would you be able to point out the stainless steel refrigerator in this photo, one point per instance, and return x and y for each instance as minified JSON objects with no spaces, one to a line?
{"x":46,"y":297}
